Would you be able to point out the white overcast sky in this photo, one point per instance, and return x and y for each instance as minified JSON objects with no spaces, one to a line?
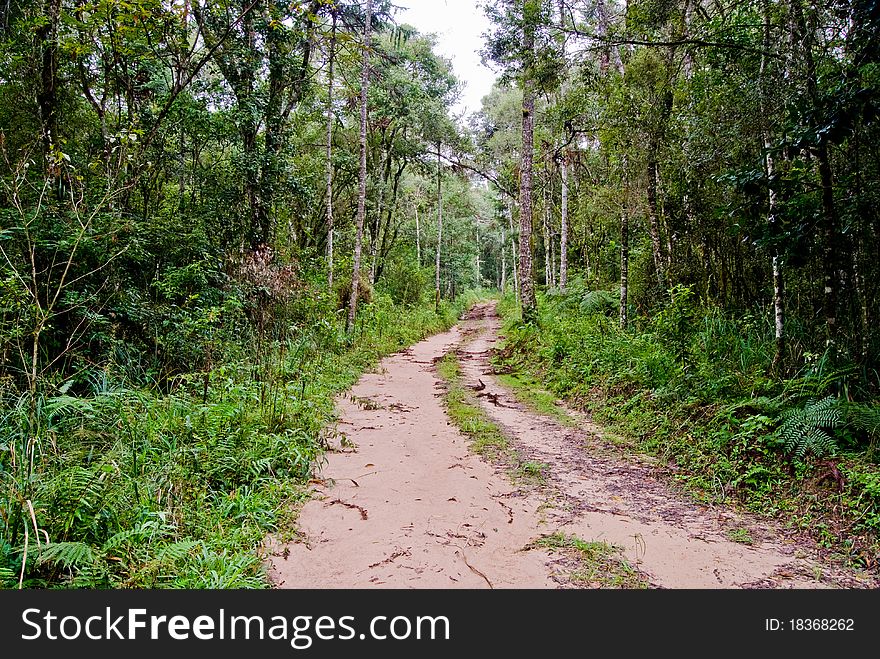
{"x":459,"y":26}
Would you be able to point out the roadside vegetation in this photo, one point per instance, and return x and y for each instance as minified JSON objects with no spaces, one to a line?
{"x":690,"y":385}
{"x":116,"y":485}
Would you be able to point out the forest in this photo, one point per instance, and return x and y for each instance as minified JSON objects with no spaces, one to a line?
{"x":215,"y":216}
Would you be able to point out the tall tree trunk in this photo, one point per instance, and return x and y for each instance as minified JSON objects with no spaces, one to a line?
{"x":513,"y":253}
{"x":362,"y":175}
{"x":526,"y":276}
{"x":439,"y":235}
{"x":770,"y":170}
{"x":375,"y":230}
{"x":624,"y":249}
{"x":331,"y":57}
{"x":548,"y":245}
{"x":833,"y":252}
{"x":653,"y":221}
{"x":479,"y":254}
{"x":503,"y":281}
{"x":47,"y":93}
{"x":563,"y":239}
{"x":832,"y":272}
{"x":418,"y":238}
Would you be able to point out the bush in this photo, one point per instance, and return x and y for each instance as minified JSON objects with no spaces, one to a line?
{"x":405,"y":282}
{"x":343,"y":292}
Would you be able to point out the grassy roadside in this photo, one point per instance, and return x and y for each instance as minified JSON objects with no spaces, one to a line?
{"x":529,"y":391}
{"x":145,"y":488}
{"x":487,"y":438}
{"x":694,"y":397}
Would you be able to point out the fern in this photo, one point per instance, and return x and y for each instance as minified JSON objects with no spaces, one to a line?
{"x":598,"y":302}
{"x":177,"y":551}
{"x":804,"y":430}
{"x":865,"y":419}
{"x":68,"y":554}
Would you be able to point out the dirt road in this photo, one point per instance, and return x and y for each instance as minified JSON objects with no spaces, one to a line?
{"x":403,"y":503}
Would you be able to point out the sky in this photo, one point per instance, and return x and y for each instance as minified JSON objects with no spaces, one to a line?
{"x":459,"y":25}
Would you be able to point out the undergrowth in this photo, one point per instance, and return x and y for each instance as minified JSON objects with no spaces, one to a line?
{"x":152,"y":487}
{"x":695,"y":387}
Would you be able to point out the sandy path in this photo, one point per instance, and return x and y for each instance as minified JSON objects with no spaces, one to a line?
{"x":409,"y":506}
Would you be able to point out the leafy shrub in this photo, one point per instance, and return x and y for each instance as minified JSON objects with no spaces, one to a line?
{"x":405,"y":282}
{"x":343,"y":292}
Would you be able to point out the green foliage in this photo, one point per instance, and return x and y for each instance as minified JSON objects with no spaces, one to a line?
{"x":487,"y":437}
{"x":594,"y":563}
{"x":804,"y":429}
{"x":127,"y":487}
{"x":690,"y":385}
{"x":405,"y":282}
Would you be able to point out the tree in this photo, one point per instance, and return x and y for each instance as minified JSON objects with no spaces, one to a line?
{"x":522,"y":44}
{"x":362,"y":176}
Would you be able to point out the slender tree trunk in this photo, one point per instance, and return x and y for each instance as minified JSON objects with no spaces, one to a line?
{"x":418,"y":239}
{"x":548,"y":247}
{"x":375,"y":230}
{"x":513,"y":253}
{"x":653,"y":219}
{"x":624,"y":250}
{"x":833,"y":251}
{"x":563,"y":239}
{"x":770,"y":170}
{"x":859,"y":282}
{"x":331,"y":62}
{"x":479,"y":254}
{"x":503,"y":282}
{"x":832,"y":271}
{"x":439,"y":235}
{"x":362,"y":177}
{"x":47,"y":94}
{"x":526,"y":276}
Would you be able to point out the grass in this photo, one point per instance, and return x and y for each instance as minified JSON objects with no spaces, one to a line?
{"x":528,"y":391}
{"x":741,"y":536}
{"x":593,"y":564}
{"x":690,"y":387}
{"x":487,"y":438}
{"x":178,"y":488}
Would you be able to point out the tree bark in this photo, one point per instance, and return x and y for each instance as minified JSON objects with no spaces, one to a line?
{"x":624,"y":250}
{"x":362,"y":175}
{"x":526,"y":276}
{"x":772,"y":202}
{"x":418,"y":238}
{"x":563,"y":239}
{"x":548,"y":246}
{"x":331,"y":56}
{"x":833,"y":251}
{"x":439,"y":235}
{"x":503,"y":279}
{"x":513,"y":253}
{"x":653,"y":222}
{"x":47,"y":93}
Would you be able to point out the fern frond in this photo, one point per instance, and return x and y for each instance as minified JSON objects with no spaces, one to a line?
{"x":803,"y":429}
{"x":865,"y":418}
{"x":67,"y":554}
{"x":178,"y":550}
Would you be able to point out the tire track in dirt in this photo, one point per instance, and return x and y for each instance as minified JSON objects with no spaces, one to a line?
{"x":410,"y":506}
{"x":596,"y":493}
{"x":403,"y":503}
